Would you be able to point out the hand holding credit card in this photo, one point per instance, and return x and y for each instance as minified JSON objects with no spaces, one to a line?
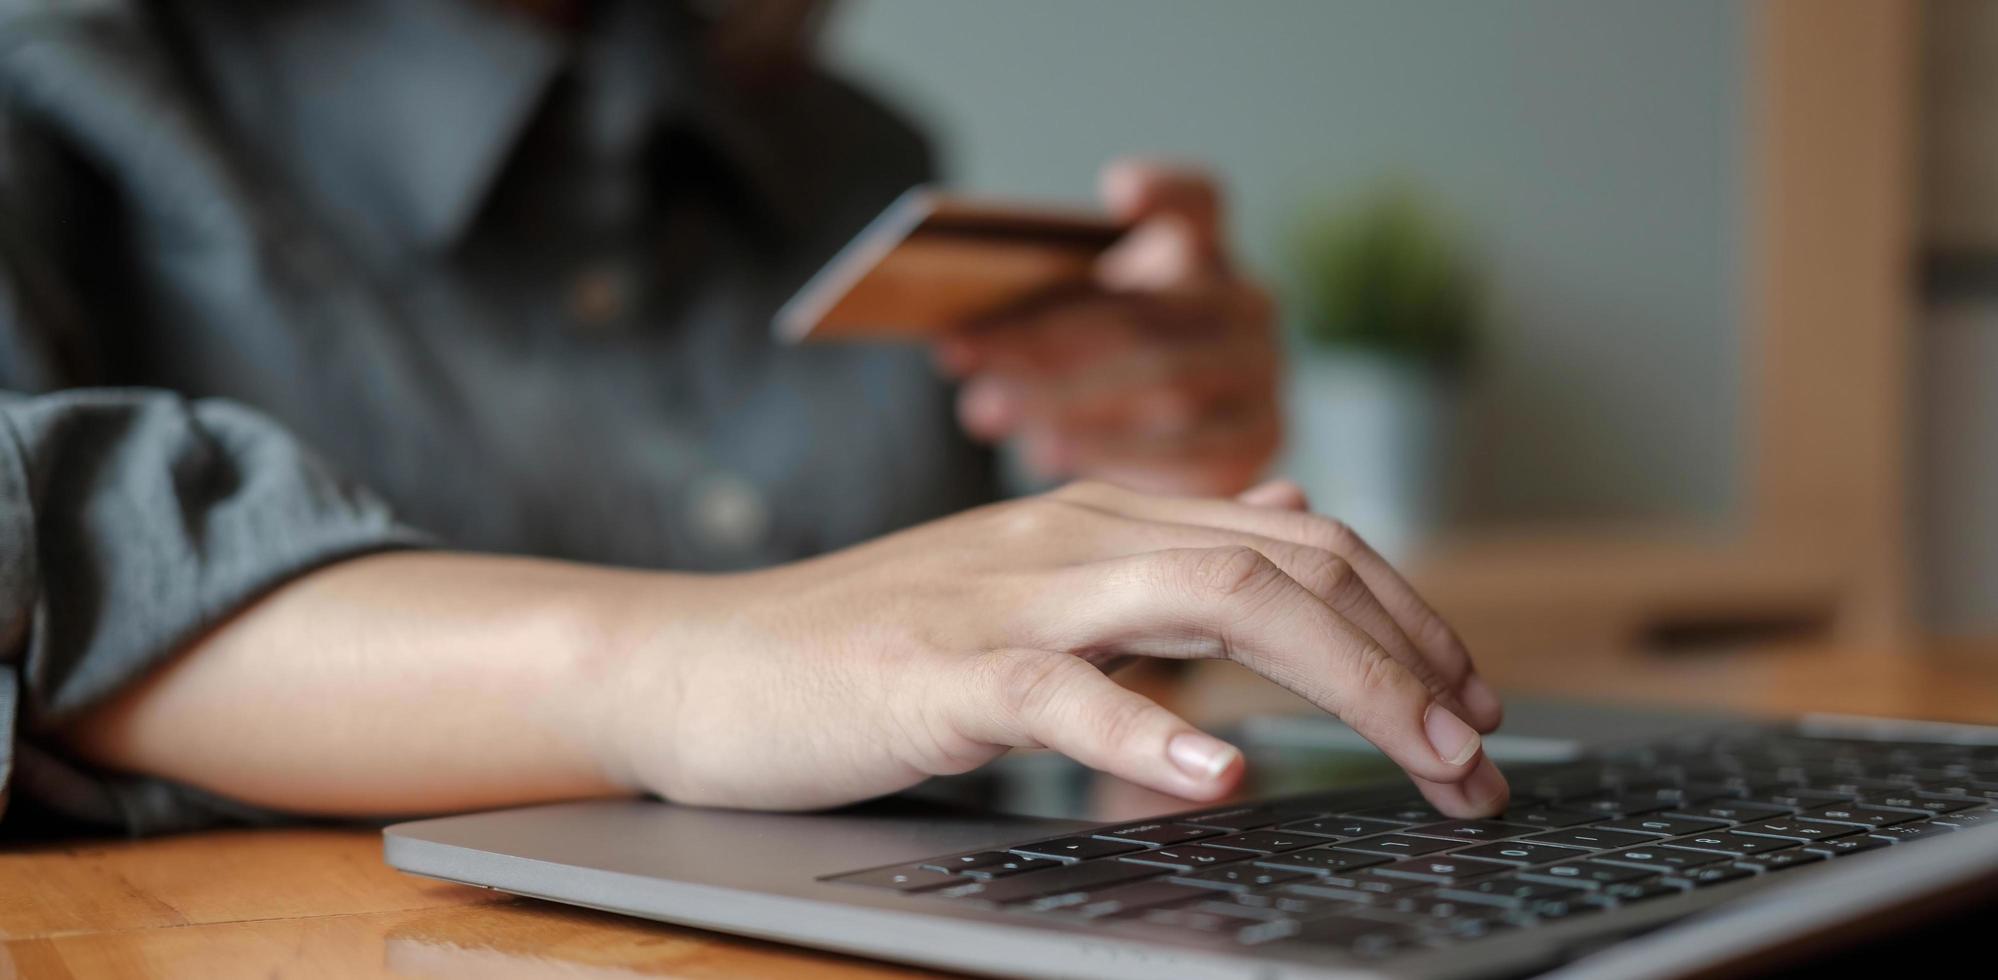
{"x":933,"y":262}
{"x":1121,"y":345}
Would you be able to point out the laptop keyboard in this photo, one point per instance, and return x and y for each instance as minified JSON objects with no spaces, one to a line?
{"x":1580,"y":839}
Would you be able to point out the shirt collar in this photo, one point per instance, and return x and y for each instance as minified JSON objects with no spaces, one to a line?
{"x":400,"y":114}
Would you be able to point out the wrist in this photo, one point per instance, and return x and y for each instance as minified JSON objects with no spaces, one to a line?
{"x":639,"y":641}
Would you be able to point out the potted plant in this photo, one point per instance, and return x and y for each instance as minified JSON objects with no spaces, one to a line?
{"x":1387,"y":310}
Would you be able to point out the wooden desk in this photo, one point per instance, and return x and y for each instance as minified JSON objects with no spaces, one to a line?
{"x":320,"y":903}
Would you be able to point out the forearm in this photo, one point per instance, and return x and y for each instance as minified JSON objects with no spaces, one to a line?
{"x":400,"y":683}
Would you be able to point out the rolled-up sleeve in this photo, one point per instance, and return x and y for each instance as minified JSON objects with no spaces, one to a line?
{"x":131,"y":519}
{"x":130,"y":522}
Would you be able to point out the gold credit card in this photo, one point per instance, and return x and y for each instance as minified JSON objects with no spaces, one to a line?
{"x":933,"y":262}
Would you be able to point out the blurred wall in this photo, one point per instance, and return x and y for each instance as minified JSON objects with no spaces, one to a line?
{"x":1594,"y":147}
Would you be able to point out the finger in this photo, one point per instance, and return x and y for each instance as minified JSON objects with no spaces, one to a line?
{"x":1157,"y":387}
{"x":1035,"y":697}
{"x":1483,"y":793}
{"x":1325,"y":575}
{"x":989,"y":407}
{"x":1057,"y":332}
{"x":1204,"y":417}
{"x":1235,"y":603}
{"x":1163,"y":253}
{"x":1051,"y":338}
{"x":1278,"y":494}
{"x":1136,"y":190}
{"x":1432,"y":635}
{"x":1221,"y":455}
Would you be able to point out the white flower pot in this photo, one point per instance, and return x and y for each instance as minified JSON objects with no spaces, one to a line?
{"x":1370,"y":442}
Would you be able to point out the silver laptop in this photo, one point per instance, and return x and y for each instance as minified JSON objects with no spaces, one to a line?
{"x":1637,"y":845}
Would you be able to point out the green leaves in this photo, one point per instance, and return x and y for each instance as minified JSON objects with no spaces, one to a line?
{"x":1384,"y":274}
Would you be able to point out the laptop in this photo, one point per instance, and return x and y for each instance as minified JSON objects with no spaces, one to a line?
{"x":1637,"y":845}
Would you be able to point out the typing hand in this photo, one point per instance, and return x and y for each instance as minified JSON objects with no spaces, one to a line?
{"x":1161,"y":376}
{"x":934,"y":650}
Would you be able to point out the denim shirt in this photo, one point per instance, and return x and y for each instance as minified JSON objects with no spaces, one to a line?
{"x":288,"y":281}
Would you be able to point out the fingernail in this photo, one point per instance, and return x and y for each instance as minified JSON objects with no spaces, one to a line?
{"x":1479,"y":698}
{"x":1201,"y":756}
{"x":1486,"y":788}
{"x":1455,"y":742}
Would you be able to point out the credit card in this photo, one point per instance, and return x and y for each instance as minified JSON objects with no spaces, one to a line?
{"x":934,"y":262}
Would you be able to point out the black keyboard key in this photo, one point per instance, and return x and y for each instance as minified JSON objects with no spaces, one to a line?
{"x":1554,"y":910}
{"x":1088,"y":877}
{"x":1548,"y":817}
{"x":902,"y":878}
{"x":1016,"y":865}
{"x":1158,"y":833}
{"x":1589,"y":838}
{"x":1663,"y":857}
{"x":1736,"y":844}
{"x":1474,"y":830}
{"x":1442,"y":914}
{"x":1519,"y":852}
{"x":1076,"y":848}
{"x":1629,"y":892}
{"x":1341,"y":890}
{"x":1341,"y":827}
{"x":1978,"y":788}
{"x":1908,"y":832}
{"x":959,"y":862}
{"x":1266,"y":841}
{"x":1442,"y":870}
{"x":1779,"y":860}
{"x":1189,"y":919}
{"x":1925,"y":804}
{"x":1582,"y":783}
{"x":1221,"y":906}
{"x":1847,"y":845}
{"x":1859,"y":815}
{"x":1399,"y":845}
{"x":1127,"y":899}
{"x":1295,"y":906}
{"x":1265,"y":932}
{"x":1967,"y":818}
{"x":1662,"y":826}
{"x":1377,"y":885}
{"x":1797,"y":830}
{"x":1361,"y":937}
{"x":1188,"y":857}
{"x":1507,"y":892}
{"x":1321,"y":859}
{"x":1696,"y":793}
{"x":1718,"y":874}
{"x":1221,"y":918}
{"x":1618,"y":806}
{"x":1797,"y":798}
{"x":1730,"y":811}
{"x":1586,"y":874}
{"x":1852,"y":786}
{"x":1235,"y":877}
{"x":1405,"y":813}
{"x":1236,"y":818}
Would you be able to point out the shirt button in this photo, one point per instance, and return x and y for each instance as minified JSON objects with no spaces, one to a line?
{"x":599,"y":296}
{"x":729,"y":514}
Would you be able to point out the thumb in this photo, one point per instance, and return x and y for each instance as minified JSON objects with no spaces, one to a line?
{"x":1275,"y":495}
{"x":1137,"y":191}
{"x":1061,"y":701}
